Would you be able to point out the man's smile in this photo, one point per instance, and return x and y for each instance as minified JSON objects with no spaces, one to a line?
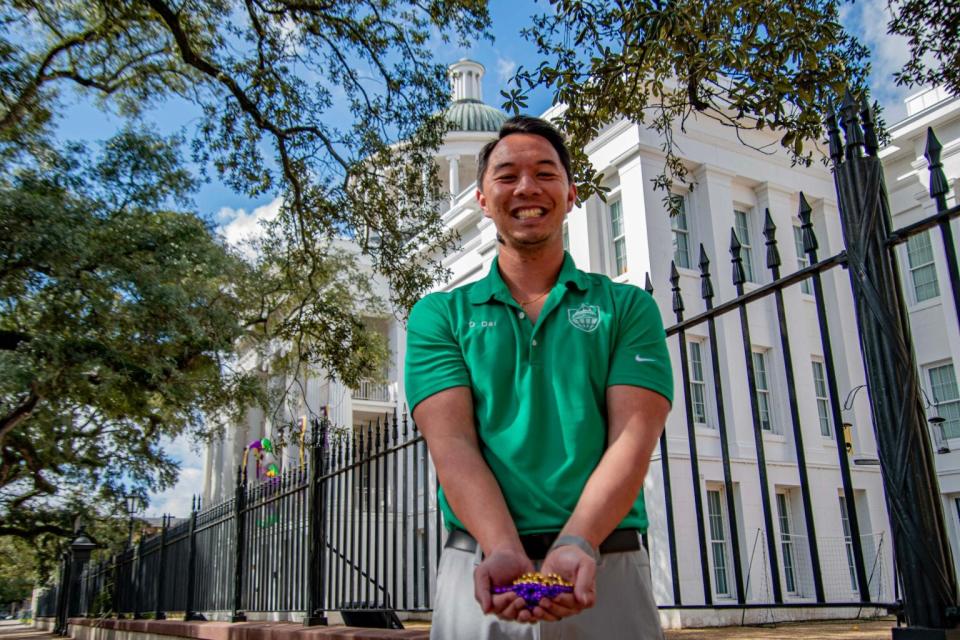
{"x":529,"y":212}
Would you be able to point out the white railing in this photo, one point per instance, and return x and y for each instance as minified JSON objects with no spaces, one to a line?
{"x":375,"y":391}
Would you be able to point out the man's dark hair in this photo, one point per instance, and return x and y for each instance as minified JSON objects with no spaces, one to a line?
{"x":533,"y":126}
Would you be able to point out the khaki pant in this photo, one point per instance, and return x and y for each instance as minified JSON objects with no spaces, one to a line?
{"x":624,"y":607}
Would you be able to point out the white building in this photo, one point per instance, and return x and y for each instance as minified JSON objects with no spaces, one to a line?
{"x":631,"y":235}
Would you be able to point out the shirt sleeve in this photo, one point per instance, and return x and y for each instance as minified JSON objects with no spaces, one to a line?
{"x":640,"y":356}
{"x":434,"y":360}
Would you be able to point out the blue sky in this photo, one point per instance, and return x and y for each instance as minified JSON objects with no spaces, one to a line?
{"x":238,"y":214}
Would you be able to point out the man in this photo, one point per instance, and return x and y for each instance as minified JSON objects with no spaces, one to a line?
{"x":541,"y":391}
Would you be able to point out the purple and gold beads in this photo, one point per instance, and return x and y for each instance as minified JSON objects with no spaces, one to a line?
{"x":533,"y":587}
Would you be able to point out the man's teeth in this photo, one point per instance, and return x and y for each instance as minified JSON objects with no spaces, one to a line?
{"x":529,"y":213}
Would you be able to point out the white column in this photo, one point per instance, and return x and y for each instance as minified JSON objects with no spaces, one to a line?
{"x":454,"y":176}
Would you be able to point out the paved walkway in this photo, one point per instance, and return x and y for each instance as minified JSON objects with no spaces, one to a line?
{"x":834,"y":630}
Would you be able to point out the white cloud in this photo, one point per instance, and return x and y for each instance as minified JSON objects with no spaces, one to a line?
{"x":240,"y":227}
{"x":176,"y":500}
{"x":868,"y":19}
{"x":505,"y":69}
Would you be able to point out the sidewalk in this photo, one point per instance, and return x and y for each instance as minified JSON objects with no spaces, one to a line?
{"x":834,"y":630}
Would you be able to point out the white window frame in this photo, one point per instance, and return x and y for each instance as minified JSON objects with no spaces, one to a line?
{"x":618,"y":241}
{"x":803,"y":261}
{"x":848,"y":544}
{"x":745,"y":236}
{"x":946,"y":406}
{"x":788,"y":551}
{"x":764,"y":391}
{"x":822,"y":395}
{"x":698,"y":385}
{"x":924,"y":265}
{"x":719,"y":557}
{"x":680,"y":231}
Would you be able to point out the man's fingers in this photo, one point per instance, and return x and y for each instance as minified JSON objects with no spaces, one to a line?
{"x":584,"y":588}
{"x":481,"y":589}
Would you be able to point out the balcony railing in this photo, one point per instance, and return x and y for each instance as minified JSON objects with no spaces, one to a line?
{"x":375,"y":391}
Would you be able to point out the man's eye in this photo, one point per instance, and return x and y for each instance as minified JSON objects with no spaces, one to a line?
{"x":507,"y":177}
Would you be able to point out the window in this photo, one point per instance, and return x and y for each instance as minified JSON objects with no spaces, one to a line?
{"x":718,"y":542}
{"x":943,"y":388}
{"x":823,"y":399}
{"x":786,"y":543}
{"x":741,"y":221}
{"x":923,"y":273}
{"x":698,"y":387}
{"x":618,"y":239}
{"x":566,"y":236}
{"x":763,"y":390}
{"x":848,"y":543}
{"x":802,"y":260}
{"x":680,"y":232}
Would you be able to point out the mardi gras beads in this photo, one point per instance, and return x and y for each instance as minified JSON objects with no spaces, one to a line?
{"x":533,"y":587}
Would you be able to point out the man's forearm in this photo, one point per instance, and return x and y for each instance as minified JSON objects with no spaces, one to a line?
{"x":446,"y":420}
{"x":636,"y":419}
{"x":474,"y":495}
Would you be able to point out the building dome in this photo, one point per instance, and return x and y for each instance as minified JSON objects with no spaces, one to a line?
{"x":473,"y":115}
{"x":468,"y":112}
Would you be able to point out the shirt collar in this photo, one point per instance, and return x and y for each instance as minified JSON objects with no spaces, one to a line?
{"x":493,"y":286}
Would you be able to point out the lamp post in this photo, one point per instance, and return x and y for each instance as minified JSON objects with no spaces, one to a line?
{"x":74,"y":560}
{"x":132,"y":502}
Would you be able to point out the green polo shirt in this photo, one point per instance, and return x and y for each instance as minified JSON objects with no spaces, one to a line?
{"x":539,"y":391}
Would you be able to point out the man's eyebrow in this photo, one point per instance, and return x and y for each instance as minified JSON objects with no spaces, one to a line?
{"x":510,"y":165}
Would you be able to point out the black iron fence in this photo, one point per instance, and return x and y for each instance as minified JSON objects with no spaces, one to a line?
{"x":358,"y":525}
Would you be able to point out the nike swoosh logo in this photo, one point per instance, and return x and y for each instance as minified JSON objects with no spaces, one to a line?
{"x":639,"y":359}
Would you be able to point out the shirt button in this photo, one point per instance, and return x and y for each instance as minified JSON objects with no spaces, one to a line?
{"x":534,"y":343}
{"x":522,"y":315}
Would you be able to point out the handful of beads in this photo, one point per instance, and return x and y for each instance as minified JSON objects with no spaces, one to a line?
{"x":532,"y":587}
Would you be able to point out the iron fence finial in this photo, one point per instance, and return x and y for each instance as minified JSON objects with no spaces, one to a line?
{"x":850,"y":118}
{"x":706,"y":286}
{"x":833,"y":137}
{"x":810,"y":244}
{"x":739,"y":276}
{"x":871,"y":144}
{"x":675,"y":287}
{"x":938,"y":180}
{"x":770,"y":233}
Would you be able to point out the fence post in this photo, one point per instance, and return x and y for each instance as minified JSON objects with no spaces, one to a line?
{"x":906,"y":458}
{"x":115,"y":596}
{"x":160,"y":612}
{"x":138,"y":584}
{"x":190,"y":613}
{"x":238,"y":517}
{"x":315,"y":591}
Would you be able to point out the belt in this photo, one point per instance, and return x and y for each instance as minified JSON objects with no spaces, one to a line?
{"x":536,"y":545}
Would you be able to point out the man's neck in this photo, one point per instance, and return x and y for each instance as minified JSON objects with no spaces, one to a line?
{"x":529,"y":274}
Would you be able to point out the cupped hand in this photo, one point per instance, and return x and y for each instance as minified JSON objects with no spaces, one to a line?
{"x":497,"y":569}
{"x":572,"y":564}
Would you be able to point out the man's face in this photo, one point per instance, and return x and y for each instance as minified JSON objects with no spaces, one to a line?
{"x":525,"y":191}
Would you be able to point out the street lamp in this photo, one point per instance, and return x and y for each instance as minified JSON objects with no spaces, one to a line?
{"x":132,"y":502}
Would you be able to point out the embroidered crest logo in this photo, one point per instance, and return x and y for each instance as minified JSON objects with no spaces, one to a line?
{"x":586,"y":317}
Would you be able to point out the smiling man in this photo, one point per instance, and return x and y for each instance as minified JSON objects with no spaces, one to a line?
{"x":541,"y":391}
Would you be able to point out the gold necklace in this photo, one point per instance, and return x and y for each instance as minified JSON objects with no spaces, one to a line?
{"x":532,"y":300}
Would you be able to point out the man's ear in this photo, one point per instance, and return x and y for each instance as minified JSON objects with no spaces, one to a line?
{"x":571,"y":197}
{"x":482,"y":201}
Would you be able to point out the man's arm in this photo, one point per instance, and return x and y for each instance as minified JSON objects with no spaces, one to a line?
{"x":636,"y":417}
{"x":446,"y":421}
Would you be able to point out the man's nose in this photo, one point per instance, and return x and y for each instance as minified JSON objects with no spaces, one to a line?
{"x":527,"y":184}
